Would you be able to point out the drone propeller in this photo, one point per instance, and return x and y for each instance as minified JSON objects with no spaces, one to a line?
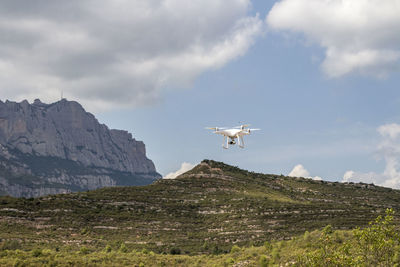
{"x":215,"y":128}
{"x":250,"y":130}
{"x":242,"y":126}
{"x":212,"y":128}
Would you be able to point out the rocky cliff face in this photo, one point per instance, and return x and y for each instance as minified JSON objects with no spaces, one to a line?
{"x":59,"y":147}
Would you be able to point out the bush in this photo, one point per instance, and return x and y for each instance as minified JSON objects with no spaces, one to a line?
{"x":10,"y":245}
{"x":327,"y":230}
{"x":205,"y":246}
{"x":376,"y":245}
{"x":275,"y":254}
{"x":84,"y":231}
{"x":123,"y":248}
{"x":36,"y":252}
{"x":306,"y":236}
{"x":84,"y":250}
{"x":107,"y":249}
{"x":235,"y":249}
{"x":175,"y":251}
{"x":263,"y":261}
{"x":267,"y":245}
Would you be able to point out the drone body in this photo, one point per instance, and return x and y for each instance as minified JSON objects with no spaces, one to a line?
{"x":231,"y":134}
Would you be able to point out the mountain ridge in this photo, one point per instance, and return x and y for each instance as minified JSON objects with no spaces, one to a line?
{"x":52,"y":142}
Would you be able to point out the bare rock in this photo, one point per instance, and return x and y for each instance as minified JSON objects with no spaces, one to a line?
{"x":62,"y":144}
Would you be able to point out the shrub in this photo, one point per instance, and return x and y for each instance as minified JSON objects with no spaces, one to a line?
{"x":306,"y":236}
{"x":275,"y":254}
{"x":327,"y":230}
{"x":229,"y":261}
{"x":235,"y":249}
{"x":84,"y":250}
{"x":84,"y":231}
{"x":377,"y":242}
{"x":376,"y":245}
{"x":107,"y":249}
{"x":123,"y":248}
{"x":10,"y":245}
{"x":36,"y":252}
{"x":263,"y":261}
{"x":175,"y":251}
{"x":267,"y":245}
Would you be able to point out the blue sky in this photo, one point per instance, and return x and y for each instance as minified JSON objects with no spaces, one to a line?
{"x":320,"y":78}
{"x":326,"y":124}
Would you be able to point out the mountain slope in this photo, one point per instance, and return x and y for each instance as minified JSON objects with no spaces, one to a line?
{"x":207,"y":209}
{"x":59,"y":147}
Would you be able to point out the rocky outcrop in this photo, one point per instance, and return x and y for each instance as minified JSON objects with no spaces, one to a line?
{"x":59,"y":147}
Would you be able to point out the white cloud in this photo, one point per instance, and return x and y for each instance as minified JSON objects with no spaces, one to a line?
{"x":117,"y":52}
{"x":185,"y":166}
{"x":358,"y":36}
{"x":348,"y":175}
{"x":317,"y":178}
{"x":389,"y":130}
{"x":300,"y":171}
{"x":389,"y":150}
{"x":369,"y":177}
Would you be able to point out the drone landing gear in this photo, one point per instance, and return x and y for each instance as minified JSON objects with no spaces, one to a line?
{"x":230,"y":141}
{"x":240,"y":141}
{"x":227,"y":143}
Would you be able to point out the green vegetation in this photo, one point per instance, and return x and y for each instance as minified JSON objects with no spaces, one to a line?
{"x":215,"y":214}
{"x":376,"y":245}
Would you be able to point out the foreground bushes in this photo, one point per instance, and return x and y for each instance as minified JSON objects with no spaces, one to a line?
{"x":376,"y":245}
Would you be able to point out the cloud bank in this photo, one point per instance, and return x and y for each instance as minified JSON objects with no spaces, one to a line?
{"x":185,"y":166}
{"x":358,"y":35}
{"x":389,"y":150}
{"x":117,"y":52}
{"x":300,"y":171}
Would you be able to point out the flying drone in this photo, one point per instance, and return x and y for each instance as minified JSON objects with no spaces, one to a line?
{"x":231,"y":134}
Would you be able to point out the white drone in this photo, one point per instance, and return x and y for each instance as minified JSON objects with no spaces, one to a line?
{"x":232,"y":133}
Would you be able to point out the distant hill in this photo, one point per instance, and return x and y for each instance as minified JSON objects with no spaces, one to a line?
{"x":206,"y":210}
{"x":59,"y":147}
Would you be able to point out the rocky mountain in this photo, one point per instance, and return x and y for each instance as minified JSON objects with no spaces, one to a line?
{"x":206,"y":210}
{"x":59,"y":148}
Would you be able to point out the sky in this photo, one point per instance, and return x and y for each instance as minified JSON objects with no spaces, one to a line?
{"x":319,"y":77}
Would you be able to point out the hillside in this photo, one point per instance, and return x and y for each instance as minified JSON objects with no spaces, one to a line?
{"x":206,"y":210}
{"x":59,"y":147}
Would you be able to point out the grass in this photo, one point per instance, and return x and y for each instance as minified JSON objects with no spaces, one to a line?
{"x":273,"y":253}
{"x":376,"y":245}
{"x":206,"y":211}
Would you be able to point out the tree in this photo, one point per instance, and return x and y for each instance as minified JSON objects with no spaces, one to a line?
{"x":376,"y":245}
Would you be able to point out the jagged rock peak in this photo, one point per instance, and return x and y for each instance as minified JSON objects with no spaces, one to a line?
{"x":65,"y":130}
